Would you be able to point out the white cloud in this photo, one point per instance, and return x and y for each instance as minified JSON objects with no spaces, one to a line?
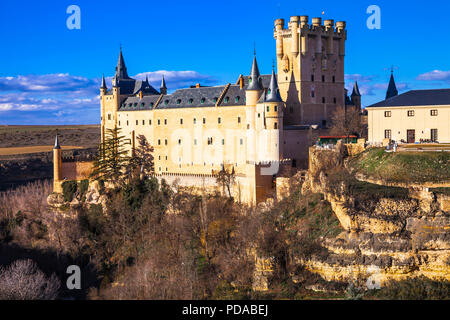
{"x":435,"y":75}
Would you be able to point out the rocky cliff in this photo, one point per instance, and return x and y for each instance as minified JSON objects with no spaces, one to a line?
{"x":392,"y":233}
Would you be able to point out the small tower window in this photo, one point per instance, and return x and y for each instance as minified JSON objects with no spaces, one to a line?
{"x":239,"y":119}
{"x":269,"y":91}
{"x":137,"y":122}
{"x":268,"y":108}
{"x":179,"y":141}
{"x":195,"y":121}
{"x":150,"y":122}
{"x":204,"y":120}
{"x":159,"y":122}
{"x":219,"y":120}
{"x":275,"y":126}
{"x":159,"y":142}
{"x":276,"y":108}
{"x":165,"y":121}
{"x":181,"y":121}
{"x":165,"y":142}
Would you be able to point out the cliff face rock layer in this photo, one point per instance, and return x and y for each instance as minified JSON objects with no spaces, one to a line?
{"x":392,"y":233}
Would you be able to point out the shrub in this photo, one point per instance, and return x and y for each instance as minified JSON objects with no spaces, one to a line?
{"x":22,"y":280}
{"x":83,"y":187}
{"x":69,"y":189}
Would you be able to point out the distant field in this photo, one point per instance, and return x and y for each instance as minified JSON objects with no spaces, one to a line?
{"x":33,"y":149}
{"x":85,"y":136}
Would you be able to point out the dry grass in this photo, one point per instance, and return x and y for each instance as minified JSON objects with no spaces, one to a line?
{"x":34,"y":149}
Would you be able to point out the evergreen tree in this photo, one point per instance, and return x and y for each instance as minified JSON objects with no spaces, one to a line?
{"x":141,"y":163}
{"x":113,"y":158}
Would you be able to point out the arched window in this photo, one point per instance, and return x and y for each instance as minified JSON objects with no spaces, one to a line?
{"x":179,"y":101}
{"x":166,"y":102}
{"x":227,"y":99}
{"x":202,"y":101}
{"x":237,"y":99}
{"x":191,"y":101}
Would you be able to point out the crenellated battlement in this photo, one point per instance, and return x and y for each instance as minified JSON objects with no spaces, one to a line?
{"x":301,"y":23}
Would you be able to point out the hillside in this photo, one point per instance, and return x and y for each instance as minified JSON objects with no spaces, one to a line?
{"x":402,"y":167}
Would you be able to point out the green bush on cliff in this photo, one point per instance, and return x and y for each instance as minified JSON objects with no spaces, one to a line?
{"x":420,"y":288}
{"x":69,"y":189}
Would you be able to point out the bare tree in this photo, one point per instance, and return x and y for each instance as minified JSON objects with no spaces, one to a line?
{"x":347,"y":121}
{"x":22,"y":280}
{"x":226,"y":178}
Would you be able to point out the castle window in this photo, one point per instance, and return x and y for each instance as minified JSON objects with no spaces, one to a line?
{"x":142,"y":104}
{"x":227,"y":99}
{"x":119,"y":123}
{"x":215,"y":100}
{"x":109,"y":116}
{"x":219,"y":120}
{"x":259,"y":115}
{"x":312,"y":78}
{"x":237,"y":99}
{"x":410,"y":113}
{"x":387,"y":114}
{"x":165,"y":121}
{"x":269,"y":91}
{"x":181,"y":121}
{"x":334,"y":79}
{"x":195,"y":121}
{"x":135,"y":104}
{"x":334,"y":100}
{"x":210,"y":141}
{"x":239,"y":119}
{"x":387,"y":134}
{"x":191,"y":101}
{"x":159,"y":142}
{"x":275,"y":126}
{"x":242,"y":142}
{"x":150,"y":122}
{"x":323,"y":78}
{"x":276,"y":108}
{"x":195,"y":142}
{"x":130,"y":105}
{"x":127,"y":122}
{"x":202,"y":101}
{"x":166,"y":102}
{"x":223,"y":142}
{"x":179,"y":141}
{"x":313,"y":94}
{"x":159,"y":122}
{"x":143,"y":122}
{"x":152,"y":104}
{"x":434,"y":113}
{"x":165,"y":142}
{"x":178,"y":101}
{"x":323,"y":99}
{"x":159,"y":157}
{"x":204,"y":120}
{"x":268,"y":108}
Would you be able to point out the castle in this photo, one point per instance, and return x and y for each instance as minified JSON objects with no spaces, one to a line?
{"x":259,"y":125}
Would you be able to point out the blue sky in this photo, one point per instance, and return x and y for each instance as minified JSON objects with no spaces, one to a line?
{"x":50,"y":74}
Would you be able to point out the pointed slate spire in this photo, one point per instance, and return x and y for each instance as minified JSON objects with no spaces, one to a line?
{"x":103,"y":83}
{"x":273,"y":93}
{"x":163,"y":86}
{"x":356,"y":90}
{"x":57,"y":146}
{"x":121,"y":69}
{"x":392,"y":88}
{"x":254,"y":80}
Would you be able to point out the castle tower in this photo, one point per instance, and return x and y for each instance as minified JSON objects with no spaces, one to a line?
{"x":356,"y":96}
{"x":310,"y":64}
{"x":163,"y":88}
{"x":57,"y":166}
{"x":255,"y":88}
{"x":392,"y":88}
